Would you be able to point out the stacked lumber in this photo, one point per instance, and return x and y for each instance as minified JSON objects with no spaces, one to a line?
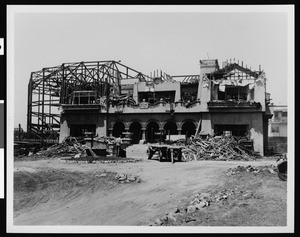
{"x":216,"y":148}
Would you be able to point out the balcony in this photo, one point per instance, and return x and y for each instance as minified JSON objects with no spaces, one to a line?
{"x":233,"y":104}
{"x":80,"y":107}
{"x":158,"y":107}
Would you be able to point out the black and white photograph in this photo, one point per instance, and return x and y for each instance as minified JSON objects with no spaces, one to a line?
{"x":150,"y":118}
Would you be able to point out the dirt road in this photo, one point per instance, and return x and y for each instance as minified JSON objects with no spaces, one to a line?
{"x":47,"y":192}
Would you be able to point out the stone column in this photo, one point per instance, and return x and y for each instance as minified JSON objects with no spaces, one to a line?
{"x":110,"y":130}
{"x":179,"y":131}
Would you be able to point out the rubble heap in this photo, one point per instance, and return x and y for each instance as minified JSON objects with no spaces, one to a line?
{"x":127,"y":178}
{"x":69,"y":147}
{"x":216,"y":148}
{"x":239,"y":169}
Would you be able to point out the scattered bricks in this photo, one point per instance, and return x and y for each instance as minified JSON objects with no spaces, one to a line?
{"x":172,"y":216}
{"x":103,"y":175}
{"x":131,"y":178}
{"x":158,"y":221}
{"x":204,"y":196}
{"x":177,"y":210}
{"x":189,"y":219}
{"x":195,"y":201}
{"x":200,"y":205}
{"x":191,"y":209}
{"x":248,"y":195}
{"x":271,"y":171}
{"x":123,"y":178}
{"x":164,"y":218}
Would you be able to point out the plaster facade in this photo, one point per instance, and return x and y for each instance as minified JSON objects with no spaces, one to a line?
{"x":161,"y":108}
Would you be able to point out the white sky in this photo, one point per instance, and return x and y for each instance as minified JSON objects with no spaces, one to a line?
{"x":172,"y":42}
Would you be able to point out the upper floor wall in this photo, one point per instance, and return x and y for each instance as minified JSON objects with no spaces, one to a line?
{"x":232,"y":87}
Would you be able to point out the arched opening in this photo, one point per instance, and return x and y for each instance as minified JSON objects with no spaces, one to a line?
{"x":152,"y":128}
{"x":170,"y":128}
{"x":118,"y":129}
{"x":136,"y":130}
{"x":188,"y":128}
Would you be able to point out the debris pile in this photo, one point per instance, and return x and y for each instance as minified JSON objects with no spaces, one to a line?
{"x":199,"y":202}
{"x":69,"y":147}
{"x":92,"y":160}
{"x":217,"y":148}
{"x":239,"y":169}
{"x":127,"y":178}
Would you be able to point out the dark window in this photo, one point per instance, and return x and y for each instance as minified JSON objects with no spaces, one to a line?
{"x":276,"y":114}
{"x":236,"y":92}
{"x":78,"y":130}
{"x":236,"y":130}
{"x":274,"y":129}
{"x":189,"y":92}
{"x":284,"y":114}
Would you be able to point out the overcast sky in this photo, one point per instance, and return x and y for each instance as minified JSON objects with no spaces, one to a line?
{"x":172,"y":42}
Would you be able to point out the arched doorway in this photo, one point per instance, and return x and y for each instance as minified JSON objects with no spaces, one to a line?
{"x":151,"y":129}
{"x":170,"y":128}
{"x":118,"y":129}
{"x":188,"y":128}
{"x":136,"y":130}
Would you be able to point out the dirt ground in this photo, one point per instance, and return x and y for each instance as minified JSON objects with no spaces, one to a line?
{"x":47,"y":192}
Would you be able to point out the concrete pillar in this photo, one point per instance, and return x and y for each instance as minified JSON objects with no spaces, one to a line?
{"x":260,"y":92}
{"x":64,"y":131}
{"x":206,"y":124}
{"x":179,"y":131}
{"x":143,"y":133}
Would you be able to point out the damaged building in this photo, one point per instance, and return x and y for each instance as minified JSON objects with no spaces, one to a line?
{"x":108,"y":98}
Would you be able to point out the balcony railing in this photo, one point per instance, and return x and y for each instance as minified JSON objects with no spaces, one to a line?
{"x":233,"y":104}
{"x":81,"y":107}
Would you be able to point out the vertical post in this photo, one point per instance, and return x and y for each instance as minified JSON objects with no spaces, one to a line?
{"x":19,"y":133}
{"x":43,"y":102}
{"x":107,"y":103}
{"x":38,"y":105}
{"x":50,"y":101}
{"x":62,"y":96}
{"x":172,"y":155}
{"x":29,"y":106}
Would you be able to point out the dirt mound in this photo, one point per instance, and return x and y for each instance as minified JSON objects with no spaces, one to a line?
{"x":247,"y":198}
{"x":49,"y":186}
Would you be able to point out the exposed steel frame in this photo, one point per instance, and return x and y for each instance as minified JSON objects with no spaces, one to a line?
{"x":51,"y":87}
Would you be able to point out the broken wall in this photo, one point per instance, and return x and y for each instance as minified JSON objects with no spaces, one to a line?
{"x":88,"y":118}
{"x":253,"y":120}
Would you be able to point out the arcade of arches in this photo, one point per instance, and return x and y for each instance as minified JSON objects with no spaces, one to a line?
{"x":152,"y":130}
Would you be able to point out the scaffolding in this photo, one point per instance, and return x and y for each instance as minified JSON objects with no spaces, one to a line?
{"x":52,"y":87}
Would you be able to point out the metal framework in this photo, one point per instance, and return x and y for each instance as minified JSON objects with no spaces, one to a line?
{"x":51,"y":87}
